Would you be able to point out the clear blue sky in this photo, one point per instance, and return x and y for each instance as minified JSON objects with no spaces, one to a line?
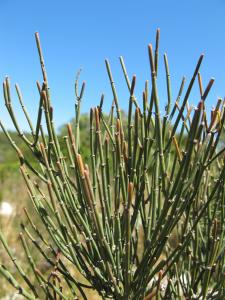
{"x":81,"y":34}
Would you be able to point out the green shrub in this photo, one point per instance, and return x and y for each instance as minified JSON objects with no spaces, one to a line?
{"x":144,"y":218}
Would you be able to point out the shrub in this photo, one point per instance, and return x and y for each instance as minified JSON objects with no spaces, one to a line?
{"x":145,"y":218}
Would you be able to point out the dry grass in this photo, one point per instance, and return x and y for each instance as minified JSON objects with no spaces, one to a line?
{"x":13,"y":190}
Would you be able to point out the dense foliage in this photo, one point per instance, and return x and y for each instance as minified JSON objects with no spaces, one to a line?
{"x":138,"y":212}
